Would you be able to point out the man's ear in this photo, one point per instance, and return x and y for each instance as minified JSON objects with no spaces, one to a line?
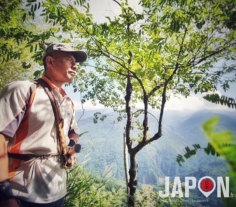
{"x":49,"y":60}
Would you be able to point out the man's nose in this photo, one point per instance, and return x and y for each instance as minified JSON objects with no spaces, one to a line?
{"x":74,"y":67}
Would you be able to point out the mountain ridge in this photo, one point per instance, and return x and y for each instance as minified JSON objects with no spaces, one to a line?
{"x":104,"y":144}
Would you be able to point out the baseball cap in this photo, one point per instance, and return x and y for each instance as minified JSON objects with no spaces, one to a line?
{"x":80,"y":55}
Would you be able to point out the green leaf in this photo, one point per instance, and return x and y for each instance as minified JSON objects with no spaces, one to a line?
{"x":26,"y":65}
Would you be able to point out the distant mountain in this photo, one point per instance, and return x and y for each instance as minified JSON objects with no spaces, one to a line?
{"x":103,"y":146}
{"x":104,"y":142}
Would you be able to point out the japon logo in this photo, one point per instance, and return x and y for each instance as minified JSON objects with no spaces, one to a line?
{"x":206,"y":186}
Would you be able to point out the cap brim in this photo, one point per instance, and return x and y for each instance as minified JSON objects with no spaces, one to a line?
{"x":80,"y":56}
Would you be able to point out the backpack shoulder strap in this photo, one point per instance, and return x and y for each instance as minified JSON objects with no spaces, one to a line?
{"x":31,"y":97}
{"x":62,"y":148}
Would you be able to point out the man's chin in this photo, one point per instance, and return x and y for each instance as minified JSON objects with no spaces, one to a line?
{"x":70,"y":80}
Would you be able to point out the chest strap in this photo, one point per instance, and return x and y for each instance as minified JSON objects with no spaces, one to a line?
{"x":27,"y":157}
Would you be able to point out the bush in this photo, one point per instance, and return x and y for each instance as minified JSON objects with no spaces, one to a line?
{"x":86,"y":190}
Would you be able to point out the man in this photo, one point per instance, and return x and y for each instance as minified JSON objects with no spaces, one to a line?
{"x":32,"y":169}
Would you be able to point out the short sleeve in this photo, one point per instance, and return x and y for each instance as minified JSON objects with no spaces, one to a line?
{"x":13,"y":101}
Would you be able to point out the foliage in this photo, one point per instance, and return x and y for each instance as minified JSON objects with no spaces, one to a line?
{"x":13,"y":31}
{"x":221,"y":143}
{"x":168,"y":47}
{"x":224,"y":143}
{"x":12,"y":71}
{"x":152,"y":41}
{"x":12,"y":68}
{"x":23,"y":34}
{"x":150,"y":197}
{"x":223,"y":100}
{"x":84,"y":189}
{"x":191,"y":152}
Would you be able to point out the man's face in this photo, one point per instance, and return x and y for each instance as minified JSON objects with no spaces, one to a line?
{"x":63,"y":67}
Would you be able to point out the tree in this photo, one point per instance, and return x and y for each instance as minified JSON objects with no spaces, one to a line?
{"x":168,"y":47}
{"x":12,"y":68}
{"x":23,"y":35}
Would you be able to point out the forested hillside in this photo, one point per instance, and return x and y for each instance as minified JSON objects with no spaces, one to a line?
{"x":103,"y":146}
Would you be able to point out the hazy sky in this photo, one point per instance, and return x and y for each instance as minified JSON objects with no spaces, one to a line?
{"x":102,"y":8}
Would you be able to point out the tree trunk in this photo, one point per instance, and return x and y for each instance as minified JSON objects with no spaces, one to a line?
{"x":132,"y":180}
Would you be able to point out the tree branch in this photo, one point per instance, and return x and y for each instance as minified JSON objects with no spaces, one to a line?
{"x":117,"y":2}
{"x":193,"y":63}
{"x":159,"y":133}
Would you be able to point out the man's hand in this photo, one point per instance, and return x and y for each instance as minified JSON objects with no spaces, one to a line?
{"x":71,"y":154}
{"x":9,"y":203}
{"x":71,"y":160}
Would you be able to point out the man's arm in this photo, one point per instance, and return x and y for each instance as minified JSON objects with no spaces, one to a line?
{"x":5,"y":189}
